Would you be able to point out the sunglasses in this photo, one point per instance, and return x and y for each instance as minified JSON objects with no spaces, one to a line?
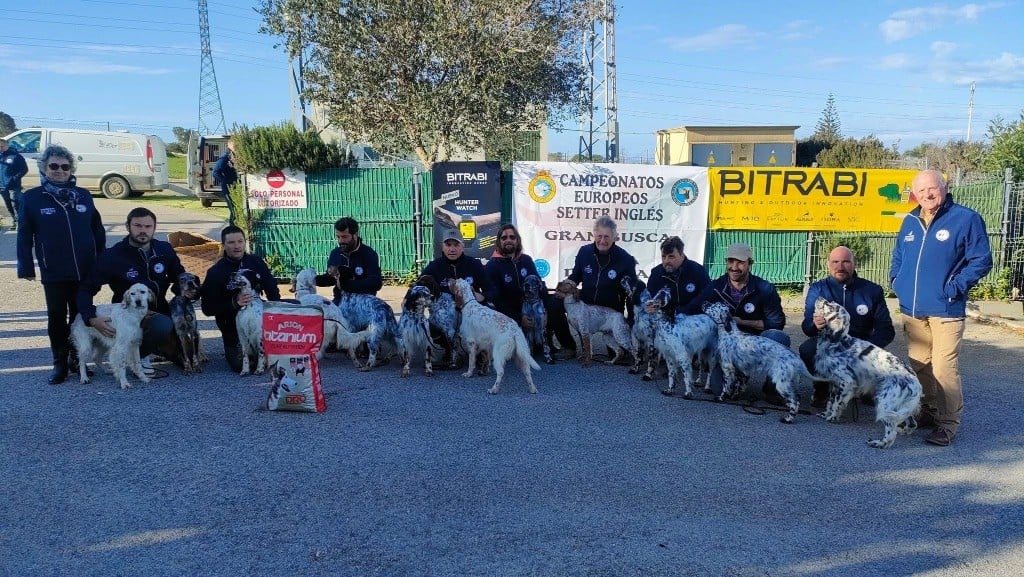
{"x":508,"y":237}
{"x":55,"y":166}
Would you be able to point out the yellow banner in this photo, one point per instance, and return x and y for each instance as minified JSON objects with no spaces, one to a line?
{"x":841,"y":199}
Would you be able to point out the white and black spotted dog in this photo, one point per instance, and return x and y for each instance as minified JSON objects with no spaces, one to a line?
{"x":533,"y":309}
{"x":183,"y":314}
{"x":337,"y":331}
{"x":856,"y":367}
{"x":644,"y":325}
{"x":444,"y":318}
{"x":249,"y":320}
{"x":126,"y":319}
{"x":684,"y":341}
{"x":415,"y":328}
{"x":586,"y":320}
{"x":749,"y":358}
{"x":368,"y":313}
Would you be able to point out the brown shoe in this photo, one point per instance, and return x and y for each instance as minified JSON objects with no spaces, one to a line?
{"x":941,"y":437}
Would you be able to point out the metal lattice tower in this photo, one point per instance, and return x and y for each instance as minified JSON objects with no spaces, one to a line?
{"x":600,"y":121}
{"x":211,"y":115}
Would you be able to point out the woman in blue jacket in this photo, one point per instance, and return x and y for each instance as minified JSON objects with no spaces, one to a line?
{"x":61,"y":224}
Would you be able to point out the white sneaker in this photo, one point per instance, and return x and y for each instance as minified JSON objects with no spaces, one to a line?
{"x":147,"y":366}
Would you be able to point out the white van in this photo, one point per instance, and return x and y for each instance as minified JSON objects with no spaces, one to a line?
{"x":119,"y":164}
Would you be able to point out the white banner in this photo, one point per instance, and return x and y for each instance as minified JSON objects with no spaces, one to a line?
{"x":556,"y":204}
{"x":277,"y":189}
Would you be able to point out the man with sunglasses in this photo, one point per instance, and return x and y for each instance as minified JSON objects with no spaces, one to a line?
{"x":61,"y":224}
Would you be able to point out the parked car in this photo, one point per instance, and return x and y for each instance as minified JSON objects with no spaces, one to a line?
{"x":203,"y":152}
{"x":118,"y":164}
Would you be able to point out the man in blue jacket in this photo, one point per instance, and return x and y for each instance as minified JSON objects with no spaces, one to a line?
{"x":941,"y":252}
{"x":225,"y":174}
{"x":353,"y":263}
{"x":454,"y":264}
{"x":61,"y":224}
{"x":684,"y":277}
{"x":870,"y":319}
{"x":12,"y":168}
{"x":138,"y":258}
{"x":223,"y":304}
{"x":601,"y":265}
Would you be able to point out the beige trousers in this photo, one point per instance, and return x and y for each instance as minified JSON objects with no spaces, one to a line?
{"x":933,"y":344}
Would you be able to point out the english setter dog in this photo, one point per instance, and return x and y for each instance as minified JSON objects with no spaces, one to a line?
{"x":856,"y":367}
{"x":415,"y":328}
{"x":684,"y":341}
{"x":249,"y":320}
{"x":644,"y":325}
{"x":533,"y":309}
{"x":444,"y":318}
{"x":586,"y":320}
{"x":744,"y":357}
{"x":337,"y":331}
{"x":485,"y":329}
{"x":126,"y":318}
{"x":183,"y":314}
{"x":368,"y":313}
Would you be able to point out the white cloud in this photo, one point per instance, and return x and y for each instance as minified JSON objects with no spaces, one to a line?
{"x":726,"y":36}
{"x":1006,"y":70}
{"x":799,"y":30}
{"x":80,"y":67}
{"x":904,"y":24}
{"x":941,"y":48}
{"x":897,"y":61}
{"x":831,"y":61}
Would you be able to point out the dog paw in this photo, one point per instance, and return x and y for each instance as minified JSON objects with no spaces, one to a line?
{"x":687,"y":395}
{"x":549,"y":360}
{"x":786,"y":419}
{"x":647,"y":378}
{"x":468,"y":374}
{"x":365,"y":368}
{"x":405,"y":373}
{"x":125,"y":386}
{"x":533,"y":390}
{"x":634,"y":371}
{"x":666,"y":392}
{"x":878,"y":444}
{"x":428,"y":372}
{"x":493,"y":390}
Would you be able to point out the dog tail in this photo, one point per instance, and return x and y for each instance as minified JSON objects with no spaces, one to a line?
{"x":345,"y":340}
{"x":523,"y":351}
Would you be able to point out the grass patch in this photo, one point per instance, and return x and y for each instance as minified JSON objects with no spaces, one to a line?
{"x":192,"y":203}
{"x":177,"y":168}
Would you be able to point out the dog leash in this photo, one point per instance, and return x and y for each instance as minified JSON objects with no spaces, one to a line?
{"x":749,"y":406}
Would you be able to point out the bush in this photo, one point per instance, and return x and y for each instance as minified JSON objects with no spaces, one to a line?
{"x":998,"y":289}
{"x":283,"y":146}
{"x":858,"y":244}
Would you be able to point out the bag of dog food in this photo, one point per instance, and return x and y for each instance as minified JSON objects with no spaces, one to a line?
{"x":292,"y":334}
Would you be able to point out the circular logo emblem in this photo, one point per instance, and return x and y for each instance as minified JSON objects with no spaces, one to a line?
{"x":132,"y":274}
{"x":612,"y":274}
{"x":690,"y":288}
{"x":685,"y":192}
{"x":862,"y":310}
{"x":508,"y":278}
{"x":543,"y":267}
{"x":542,"y":187}
{"x":522,"y":272}
{"x":469,"y":279}
{"x":81,"y":208}
{"x":275,"y":179}
{"x":748,"y":308}
{"x":942,"y":235}
{"x":359,"y":271}
{"x":158,"y":268}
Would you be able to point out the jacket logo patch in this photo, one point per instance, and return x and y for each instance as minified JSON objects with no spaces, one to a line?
{"x":158,"y":268}
{"x":48,"y":210}
{"x":508,"y":278}
{"x":748,"y":308}
{"x":81,"y":208}
{"x":587,"y":269}
{"x":612,"y":274}
{"x":942,"y":235}
{"x":132,"y":274}
{"x":862,"y":310}
{"x":359,"y":271}
{"x":522,"y":272}
{"x":909,"y":237}
{"x":690,"y":288}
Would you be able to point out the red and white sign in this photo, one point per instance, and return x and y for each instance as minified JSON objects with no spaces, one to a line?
{"x":277,"y":189}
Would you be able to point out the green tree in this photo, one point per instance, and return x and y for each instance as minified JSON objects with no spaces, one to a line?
{"x":283,"y":146}
{"x":182,"y":135}
{"x":7,"y":125}
{"x":1006,"y":149}
{"x":436,"y":77}
{"x":868,"y":152}
{"x":827,"y":129}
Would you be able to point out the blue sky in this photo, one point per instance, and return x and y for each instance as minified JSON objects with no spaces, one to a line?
{"x":901,"y":71}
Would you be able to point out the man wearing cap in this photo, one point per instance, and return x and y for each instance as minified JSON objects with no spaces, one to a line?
{"x":754,"y":303}
{"x":864,"y":300}
{"x":453,"y":263}
{"x":353,"y":264}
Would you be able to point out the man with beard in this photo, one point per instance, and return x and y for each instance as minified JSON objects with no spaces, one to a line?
{"x":138,"y":258}
{"x":754,"y":303}
{"x":864,"y":300}
{"x":223,"y":304}
{"x":354,"y":265}
{"x":506,"y":271}
{"x":685,"y":278}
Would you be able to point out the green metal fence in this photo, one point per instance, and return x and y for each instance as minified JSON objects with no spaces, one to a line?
{"x":381,"y":199}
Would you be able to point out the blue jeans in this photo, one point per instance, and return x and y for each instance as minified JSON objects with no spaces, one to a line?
{"x":12,"y":198}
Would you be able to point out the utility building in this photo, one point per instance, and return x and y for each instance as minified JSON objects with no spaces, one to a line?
{"x":713,"y":146}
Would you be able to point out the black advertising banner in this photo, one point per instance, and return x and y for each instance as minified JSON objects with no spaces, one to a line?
{"x":467,"y":198}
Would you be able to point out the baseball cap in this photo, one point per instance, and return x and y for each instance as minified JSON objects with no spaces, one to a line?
{"x":452,"y":234}
{"x":739,"y":251}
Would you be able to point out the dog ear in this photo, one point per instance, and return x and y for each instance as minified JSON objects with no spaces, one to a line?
{"x":152,"y":298}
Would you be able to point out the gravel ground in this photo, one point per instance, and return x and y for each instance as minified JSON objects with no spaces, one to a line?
{"x":598,"y":474}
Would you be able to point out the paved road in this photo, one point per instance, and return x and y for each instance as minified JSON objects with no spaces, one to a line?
{"x":598,"y":474}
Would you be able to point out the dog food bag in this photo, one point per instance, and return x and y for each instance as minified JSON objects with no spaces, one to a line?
{"x":292,"y":334}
